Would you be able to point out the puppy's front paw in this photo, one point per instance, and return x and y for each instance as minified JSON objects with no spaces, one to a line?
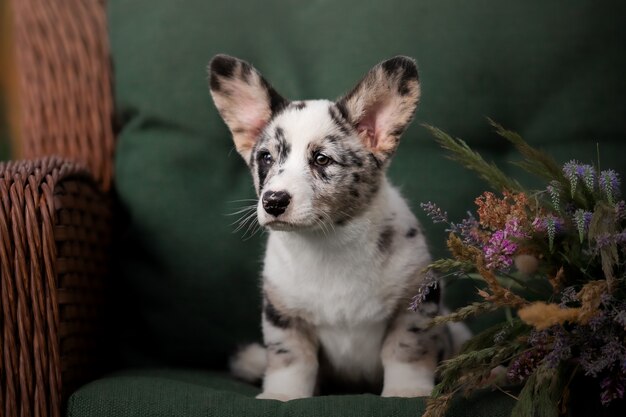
{"x":407,"y":393}
{"x":274,"y":396}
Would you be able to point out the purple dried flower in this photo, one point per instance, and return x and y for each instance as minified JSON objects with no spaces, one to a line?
{"x":524,"y":365}
{"x":606,"y":299}
{"x":538,"y":338}
{"x":613,"y":386}
{"x":620,"y":210}
{"x":513,"y":229}
{"x":582,"y":219}
{"x":588,"y":175}
{"x":539,"y":225}
{"x":620,"y":318}
{"x":618,"y":309}
{"x":555,"y":194}
{"x":429,"y":283}
{"x":569,"y":169}
{"x":551,"y":227}
{"x":609,"y":184}
{"x":468,"y":230}
{"x":613,"y":351}
{"x":499,"y":251}
{"x":595,"y":360}
{"x":574,"y":171}
{"x":561,"y":348}
{"x":596,"y":322}
{"x":604,"y":240}
{"x":568,"y":295}
{"x":436,"y":214}
{"x":550,"y":224}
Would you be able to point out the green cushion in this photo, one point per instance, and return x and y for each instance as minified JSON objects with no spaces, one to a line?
{"x":173,"y":393}
{"x":185,"y":285}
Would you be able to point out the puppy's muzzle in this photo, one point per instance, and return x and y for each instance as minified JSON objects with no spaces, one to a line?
{"x":276,"y":202}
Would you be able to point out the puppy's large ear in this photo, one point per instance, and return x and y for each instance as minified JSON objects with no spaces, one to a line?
{"x":382,"y":104}
{"x":244,"y":99}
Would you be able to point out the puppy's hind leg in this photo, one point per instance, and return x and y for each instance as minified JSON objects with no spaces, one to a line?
{"x":409,"y":356}
{"x":292,"y":362}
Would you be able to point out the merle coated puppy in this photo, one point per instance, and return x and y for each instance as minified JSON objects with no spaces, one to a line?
{"x":345,"y":253}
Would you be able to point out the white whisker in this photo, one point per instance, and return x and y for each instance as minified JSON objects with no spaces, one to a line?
{"x":321,"y":225}
{"x":243,"y":200}
{"x":329,"y":220}
{"x":254,"y":226}
{"x":242,"y":210}
{"x":242,"y":222}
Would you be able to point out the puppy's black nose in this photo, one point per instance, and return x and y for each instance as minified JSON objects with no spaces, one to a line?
{"x":276,"y":202}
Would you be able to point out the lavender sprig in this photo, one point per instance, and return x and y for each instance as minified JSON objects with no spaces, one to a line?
{"x":467,"y":229}
{"x":555,"y":195}
{"x":582,"y":219}
{"x":575,"y":171}
{"x":436,"y":214}
{"x":620,"y":211}
{"x":613,"y":387}
{"x":596,"y":360}
{"x":552,"y":224}
{"x":524,"y":365}
{"x":561,"y":348}
{"x":569,"y":169}
{"x":429,"y":283}
{"x":568,"y":295}
{"x":609,"y":184}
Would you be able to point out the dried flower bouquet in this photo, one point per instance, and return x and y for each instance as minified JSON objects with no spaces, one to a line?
{"x":555,"y":260}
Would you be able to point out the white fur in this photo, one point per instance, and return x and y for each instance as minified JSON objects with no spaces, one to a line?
{"x":404,"y":381}
{"x":460,"y":334}
{"x":249,"y":363}
{"x":339,"y":282}
{"x":289,"y":383}
{"x":354,"y":350}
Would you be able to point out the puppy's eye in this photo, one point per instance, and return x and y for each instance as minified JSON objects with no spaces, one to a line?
{"x":321,"y":159}
{"x":266,"y":158}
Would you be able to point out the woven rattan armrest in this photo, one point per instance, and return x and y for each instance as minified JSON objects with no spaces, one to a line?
{"x":54,"y":238}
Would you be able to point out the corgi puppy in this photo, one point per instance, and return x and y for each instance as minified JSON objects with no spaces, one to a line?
{"x":345,"y":254}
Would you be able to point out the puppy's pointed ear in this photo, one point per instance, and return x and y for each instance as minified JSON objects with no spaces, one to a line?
{"x":244,"y":99}
{"x":382,"y":104}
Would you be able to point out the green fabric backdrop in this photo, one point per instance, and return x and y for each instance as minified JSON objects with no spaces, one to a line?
{"x":186,"y":287}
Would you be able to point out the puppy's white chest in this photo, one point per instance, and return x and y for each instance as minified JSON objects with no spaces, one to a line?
{"x":326,"y":287}
{"x":339,"y":304}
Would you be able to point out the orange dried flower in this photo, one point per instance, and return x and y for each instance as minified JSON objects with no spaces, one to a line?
{"x":461,"y":251}
{"x":541,"y":315}
{"x":557,"y":280}
{"x":590,"y":297}
{"x":494,"y":212}
{"x":499,"y":295}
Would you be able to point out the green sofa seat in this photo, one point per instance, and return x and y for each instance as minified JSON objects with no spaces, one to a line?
{"x":185,"y":393}
{"x":186,"y":288}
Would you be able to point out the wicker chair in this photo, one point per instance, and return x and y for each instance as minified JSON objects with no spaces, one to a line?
{"x":55,"y":210}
